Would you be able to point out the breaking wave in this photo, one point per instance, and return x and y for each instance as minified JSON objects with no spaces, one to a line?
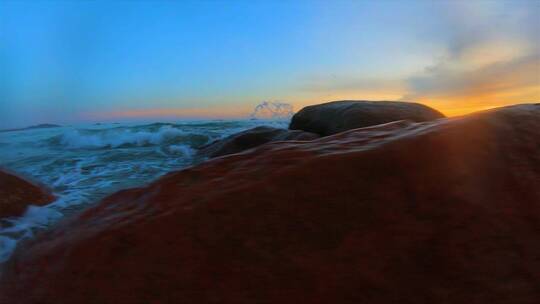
{"x":272,"y":110}
{"x":83,"y":164}
{"x":116,"y":138}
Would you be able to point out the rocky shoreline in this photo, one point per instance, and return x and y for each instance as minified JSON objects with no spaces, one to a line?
{"x":16,"y":193}
{"x":322,"y":120}
{"x":413,"y":209}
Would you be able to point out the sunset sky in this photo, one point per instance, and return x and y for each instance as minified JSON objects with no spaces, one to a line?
{"x":79,"y":61}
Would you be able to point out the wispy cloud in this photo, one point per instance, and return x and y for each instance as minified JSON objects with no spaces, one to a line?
{"x":498,"y":83}
{"x":488,"y":56}
{"x":492,"y":59}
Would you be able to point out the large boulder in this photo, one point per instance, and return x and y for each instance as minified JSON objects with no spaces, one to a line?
{"x":250,"y":139}
{"x":16,"y":194}
{"x":338,"y":116}
{"x":439,"y":212}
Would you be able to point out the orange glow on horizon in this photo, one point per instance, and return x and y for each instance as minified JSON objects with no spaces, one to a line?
{"x":456,"y":109}
{"x":460,"y":104}
{"x":211,"y":113}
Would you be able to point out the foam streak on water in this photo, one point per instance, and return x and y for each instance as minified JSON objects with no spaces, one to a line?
{"x":85,"y":163}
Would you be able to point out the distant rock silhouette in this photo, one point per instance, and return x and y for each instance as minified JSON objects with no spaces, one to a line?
{"x":446,"y":211}
{"x":251,"y":138}
{"x":40,"y":126}
{"x":16,"y":194}
{"x":338,"y":116}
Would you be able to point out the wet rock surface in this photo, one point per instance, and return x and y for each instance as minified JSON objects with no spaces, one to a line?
{"x":446,"y":211}
{"x":250,"y":139}
{"x":338,"y":116}
{"x":16,"y":194}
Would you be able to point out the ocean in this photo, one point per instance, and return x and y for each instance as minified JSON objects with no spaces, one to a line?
{"x":82,"y":164}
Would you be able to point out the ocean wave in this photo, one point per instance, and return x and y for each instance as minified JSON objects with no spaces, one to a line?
{"x":181,"y":149}
{"x":273,"y":110}
{"x":126,"y":137}
{"x":16,"y":229}
{"x":83,"y":164}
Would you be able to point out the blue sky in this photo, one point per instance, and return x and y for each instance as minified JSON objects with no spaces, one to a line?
{"x":74,"y":61}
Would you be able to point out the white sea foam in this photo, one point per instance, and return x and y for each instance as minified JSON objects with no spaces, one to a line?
{"x":182,"y":150}
{"x":7,"y":245}
{"x":19,"y":228}
{"x":82,"y":165}
{"x":34,"y":217}
{"x":273,"y":110}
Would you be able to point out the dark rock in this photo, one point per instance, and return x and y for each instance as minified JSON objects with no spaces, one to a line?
{"x":250,"y":139}
{"x":16,"y":194}
{"x":446,"y":211}
{"x":338,"y":116}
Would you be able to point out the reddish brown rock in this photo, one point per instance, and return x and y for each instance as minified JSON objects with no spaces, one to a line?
{"x":16,"y":194}
{"x":339,"y":116}
{"x":438,"y":212}
{"x":250,"y":139}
